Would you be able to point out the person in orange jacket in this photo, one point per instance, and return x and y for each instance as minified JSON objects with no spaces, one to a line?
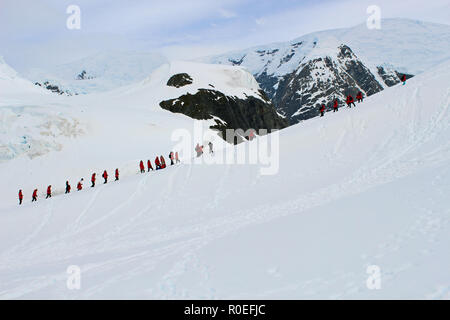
{"x":67,"y":187}
{"x":163,"y":162}
{"x":20,"y":196}
{"x":117,"y":174}
{"x":49,"y":192}
{"x":157,"y":163}
{"x":105,"y":176}
{"x":93,"y":178}
{"x":141,"y":166}
{"x":34,"y":196}
{"x":176,"y":157}
{"x":149,"y":166}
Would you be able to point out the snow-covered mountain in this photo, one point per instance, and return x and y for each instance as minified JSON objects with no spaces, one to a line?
{"x":363,"y":187}
{"x":309,"y":63}
{"x":100,"y":72}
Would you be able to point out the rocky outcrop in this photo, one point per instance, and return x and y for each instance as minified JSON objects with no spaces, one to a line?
{"x":179,"y":80}
{"x":227,"y":111}
{"x":53,"y":88}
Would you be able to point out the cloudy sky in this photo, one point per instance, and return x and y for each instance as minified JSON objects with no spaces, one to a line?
{"x":33,"y":33}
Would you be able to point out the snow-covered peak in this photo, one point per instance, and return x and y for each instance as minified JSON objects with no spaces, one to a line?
{"x":410,"y":46}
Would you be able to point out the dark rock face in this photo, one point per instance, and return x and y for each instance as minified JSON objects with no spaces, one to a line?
{"x":179,"y":80}
{"x":235,"y":113}
{"x":321,"y":80}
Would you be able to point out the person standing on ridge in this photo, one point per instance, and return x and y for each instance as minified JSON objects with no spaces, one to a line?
{"x":359,"y":97}
{"x":105,"y":176}
{"x":141,"y":166}
{"x":149,"y":166}
{"x":176,"y":157}
{"x":350,"y":101}
{"x":80,"y":185}
{"x":403,"y":79}
{"x":251,"y":136}
{"x":171,"y":158}
{"x":322,"y":110}
{"x":336,"y":105}
{"x":49,"y":192}
{"x":34,"y":196}
{"x":20,"y":196}
{"x":67,"y":187}
{"x":117,"y":174}
{"x":163,"y":162}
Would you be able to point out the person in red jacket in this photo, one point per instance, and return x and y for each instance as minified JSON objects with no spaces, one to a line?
{"x":322,"y":110}
{"x":105,"y":176}
{"x":141,"y":166}
{"x":34,"y":196}
{"x":117,"y":174}
{"x":149,"y":166}
{"x":350,"y":101}
{"x":67,"y":187}
{"x":359,"y":97}
{"x":199,"y":150}
{"x":80,"y":185}
{"x":335,"y":105}
{"x":157,"y":163}
{"x":403,"y":79}
{"x":20,"y":196}
{"x":251,"y":136}
{"x":93,"y":178}
{"x":49,"y":192}
{"x":163,"y":162}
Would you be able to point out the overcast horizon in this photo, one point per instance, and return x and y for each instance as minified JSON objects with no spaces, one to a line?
{"x":36,"y":35}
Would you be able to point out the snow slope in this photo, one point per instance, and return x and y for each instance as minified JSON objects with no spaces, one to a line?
{"x":364,"y":186}
{"x":38,"y":130}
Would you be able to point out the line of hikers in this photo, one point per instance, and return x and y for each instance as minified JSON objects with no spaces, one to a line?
{"x":349,"y":101}
{"x":160,"y":163}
